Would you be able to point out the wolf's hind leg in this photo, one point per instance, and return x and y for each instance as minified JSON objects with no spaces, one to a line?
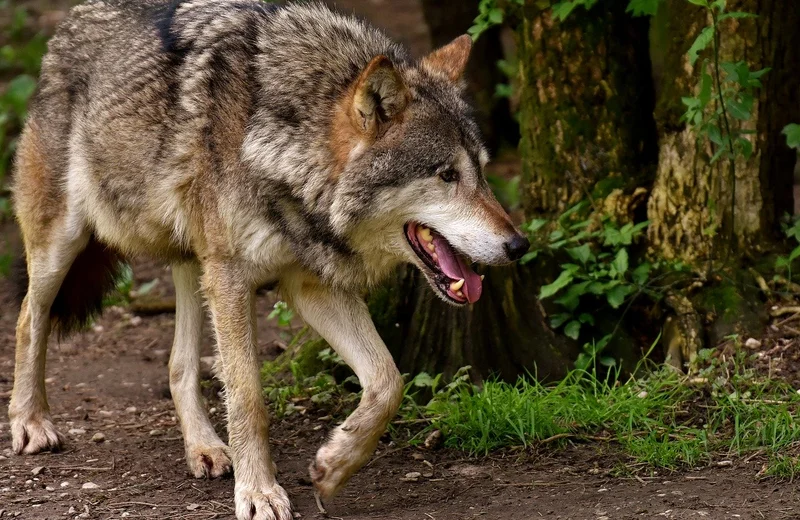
{"x":206,"y":455}
{"x":344,"y":321}
{"x":48,"y":262}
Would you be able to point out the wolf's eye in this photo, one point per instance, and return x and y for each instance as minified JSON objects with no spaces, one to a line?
{"x":449,"y":175}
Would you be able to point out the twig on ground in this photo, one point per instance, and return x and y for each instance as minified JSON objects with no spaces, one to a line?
{"x":573,"y":436}
{"x":782,"y":311}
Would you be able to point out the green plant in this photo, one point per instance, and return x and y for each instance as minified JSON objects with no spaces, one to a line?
{"x":784,"y":263}
{"x":562,"y":10}
{"x":659,"y":419}
{"x":599,"y":268}
{"x":282,"y":313}
{"x":722,"y":98}
{"x":792,"y":133}
{"x":306,"y":374}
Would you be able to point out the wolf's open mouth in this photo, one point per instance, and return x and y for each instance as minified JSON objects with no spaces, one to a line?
{"x":451,"y":274}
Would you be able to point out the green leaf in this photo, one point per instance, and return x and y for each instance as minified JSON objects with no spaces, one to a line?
{"x":795,"y":253}
{"x":641,"y":274}
{"x":423,"y":380}
{"x":608,"y":361}
{"x":559,"y":319}
{"x":596,"y":288}
{"x":572,"y":297}
{"x":564,"y":279}
{"x":503,"y":91}
{"x":562,"y":10}
{"x":496,"y":16}
{"x":573,"y":329}
{"x":704,"y":3}
{"x":736,"y":14}
{"x":792,"y":133}
{"x":705,"y":89}
{"x":18,"y":92}
{"x":746,"y":146}
{"x":714,"y":134}
{"x":740,"y":109}
{"x":536,"y":224}
{"x":616,"y":296}
{"x":529,"y":257}
{"x":643,"y":7}
{"x":703,"y":39}
{"x":581,"y":253}
{"x":586,"y":319}
{"x":620,"y":263}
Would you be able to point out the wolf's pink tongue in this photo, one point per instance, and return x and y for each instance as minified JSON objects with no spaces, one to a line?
{"x":454,"y":266}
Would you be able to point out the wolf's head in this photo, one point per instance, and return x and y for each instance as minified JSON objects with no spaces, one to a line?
{"x":410,"y":172}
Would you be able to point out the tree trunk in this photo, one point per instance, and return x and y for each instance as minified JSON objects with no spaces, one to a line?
{"x":587,"y":126}
{"x":691,"y":209}
{"x":585,"y":118}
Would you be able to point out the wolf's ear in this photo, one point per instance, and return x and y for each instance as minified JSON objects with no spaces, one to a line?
{"x":450,"y":60}
{"x":380,"y":96}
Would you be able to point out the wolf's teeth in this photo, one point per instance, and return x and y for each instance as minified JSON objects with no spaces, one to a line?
{"x":435,"y":258}
{"x":432,"y":248}
{"x":425,"y":234}
{"x":456,"y":286}
{"x":460,"y":294}
{"x":483,"y":276}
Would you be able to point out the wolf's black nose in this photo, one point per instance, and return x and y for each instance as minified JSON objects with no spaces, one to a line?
{"x":517,"y":247}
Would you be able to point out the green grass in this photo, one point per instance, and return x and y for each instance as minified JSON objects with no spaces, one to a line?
{"x":658,"y":419}
{"x":663,"y":420}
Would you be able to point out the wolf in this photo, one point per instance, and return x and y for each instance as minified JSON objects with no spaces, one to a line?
{"x":244,"y":143}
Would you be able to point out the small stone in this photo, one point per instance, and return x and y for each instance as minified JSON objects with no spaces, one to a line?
{"x":156,"y":433}
{"x":136,"y":321}
{"x":98,"y":437}
{"x":752,"y":343}
{"x":50,"y":488}
{"x":71,"y":510}
{"x":412,"y":476}
{"x":193,"y":507}
{"x":64,"y":484}
{"x":77,"y":431}
{"x":37,"y":471}
{"x":642,"y":394}
{"x":90,"y":485}
{"x":434,"y":440}
{"x":131,"y":409}
{"x":105,"y":413}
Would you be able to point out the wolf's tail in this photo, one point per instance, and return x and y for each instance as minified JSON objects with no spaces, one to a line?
{"x":93,"y":274}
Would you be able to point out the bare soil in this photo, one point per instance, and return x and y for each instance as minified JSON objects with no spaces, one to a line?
{"x":113,"y":380}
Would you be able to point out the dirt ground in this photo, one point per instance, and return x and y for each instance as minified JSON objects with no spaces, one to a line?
{"x":112,"y":380}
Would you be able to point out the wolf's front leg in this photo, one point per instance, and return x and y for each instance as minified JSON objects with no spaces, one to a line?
{"x":231,"y":299}
{"x":344,"y":321}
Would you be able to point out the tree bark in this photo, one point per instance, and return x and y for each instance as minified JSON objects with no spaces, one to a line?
{"x":587,"y":103}
{"x":692,"y":197}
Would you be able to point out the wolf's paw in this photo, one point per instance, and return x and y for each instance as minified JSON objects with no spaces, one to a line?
{"x":333,"y":467}
{"x":34,"y":435}
{"x":208,"y":461}
{"x":266,"y":504}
